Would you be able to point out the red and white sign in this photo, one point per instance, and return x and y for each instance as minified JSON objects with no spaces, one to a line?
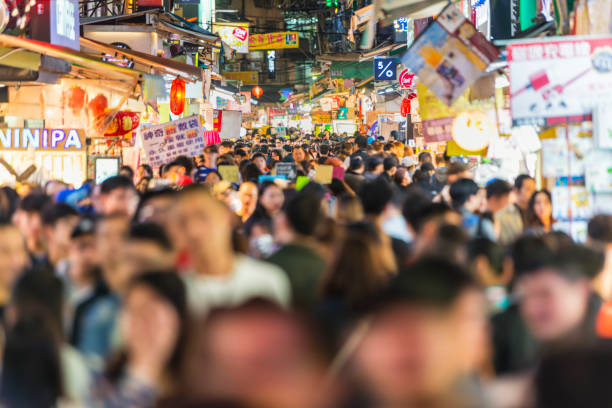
{"x":405,"y":79}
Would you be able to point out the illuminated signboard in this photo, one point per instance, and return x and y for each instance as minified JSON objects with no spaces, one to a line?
{"x":42,"y":139}
{"x":401,"y":25}
{"x":57,"y":22}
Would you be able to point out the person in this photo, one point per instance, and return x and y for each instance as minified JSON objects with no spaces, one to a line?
{"x":154,"y":206}
{"x":260,"y":161}
{"x":226,"y":147}
{"x":422,"y":179}
{"x":354,"y":177}
{"x":218,"y":276}
{"x":155,"y":330}
{"x":512,"y":218}
{"x":599,"y":237}
{"x":269,"y":204}
{"x":250,"y":172}
{"x":28,"y":218}
{"x":498,"y":198}
{"x":465,"y":198}
{"x":424,"y":157}
{"x":212,"y":178}
{"x":143,"y":171}
{"x":374,"y":167}
{"x":58,"y":221}
{"x":117,"y":196}
{"x":538,"y":216}
{"x":362,"y":146}
{"x":13,"y":260}
{"x":110,"y":238}
{"x":126,"y":171}
{"x":300,"y":255}
{"x":423,"y":341}
{"x":248,"y":196}
{"x":390,"y":165}
{"x":211,"y":153}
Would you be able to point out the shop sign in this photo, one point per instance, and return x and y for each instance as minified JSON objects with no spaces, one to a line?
{"x":449,"y":55}
{"x":385,"y":68}
{"x":57,"y":22}
{"x":561,"y":79}
{"x":163,"y":143}
{"x":42,"y":139}
{"x":247,"y":77}
{"x":323,"y":117}
{"x":235,"y":35}
{"x":277,"y":113}
{"x":274,"y":41}
{"x":343,"y":114}
{"x":405,"y":79}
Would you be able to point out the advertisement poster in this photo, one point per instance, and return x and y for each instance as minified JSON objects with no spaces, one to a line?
{"x":599,"y":171}
{"x":559,"y":160}
{"x":560,"y":80}
{"x":235,"y":35}
{"x":163,"y":143}
{"x":449,"y":55}
{"x":274,"y":41}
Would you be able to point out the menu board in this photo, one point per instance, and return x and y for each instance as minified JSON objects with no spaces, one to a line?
{"x":163,"y":143}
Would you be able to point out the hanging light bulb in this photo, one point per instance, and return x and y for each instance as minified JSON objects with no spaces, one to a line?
{"x":14,"y":12}
{"x":32,"y":3}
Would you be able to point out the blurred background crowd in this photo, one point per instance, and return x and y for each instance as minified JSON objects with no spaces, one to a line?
{"x":400,"y":283}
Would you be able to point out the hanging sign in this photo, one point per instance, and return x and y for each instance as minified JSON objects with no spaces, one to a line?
{"x":235,"y":35}
{"x":42,"y":139}
{"x":385,"y":68}
{"x":449,"y":55}
{"x":560,"y":80}
{"x":274,"y":41}
{"x":163,"y":143}
{"x":405,"y":79}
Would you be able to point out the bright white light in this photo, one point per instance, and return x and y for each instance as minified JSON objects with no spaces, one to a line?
{"x":501,"y":82}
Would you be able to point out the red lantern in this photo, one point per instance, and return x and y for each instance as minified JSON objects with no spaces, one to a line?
{"x":257,"y":92}
{"x":405,"y":108}
{"x":177,"y":96}
{"x":98,"y":105}
{"x":124,"y":122}
{"x":75,"y":98}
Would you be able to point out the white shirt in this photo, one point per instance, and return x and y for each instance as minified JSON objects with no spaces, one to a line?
{"x":250,"y":279}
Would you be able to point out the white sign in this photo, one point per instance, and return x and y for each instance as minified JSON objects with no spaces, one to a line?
{"x":163,"y":143}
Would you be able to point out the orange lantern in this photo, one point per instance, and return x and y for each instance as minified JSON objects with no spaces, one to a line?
{"x":98,"y":105}
{"x":75,"y":98}
{"x":257,"y":92}
{"x":177,"y":96}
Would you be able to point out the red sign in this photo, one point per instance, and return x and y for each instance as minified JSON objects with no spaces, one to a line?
{"x":405,"y":79}
{"x":240,"y":33}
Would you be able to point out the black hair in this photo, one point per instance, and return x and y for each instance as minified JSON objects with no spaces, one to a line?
{"x":373,"y":162}
{"x":34,"y":203}
{"x":376,"y":195}
{"x":114,"y":183}
{"x":600,"y":228}
{"x":304,"y":211}
{"x":128,"y":169}
{"x":152,"y":194}
{"x":492,"y":251}
{"x":227,"y":143}
{"x":530,"y":253}
{"x":578,"y":261}
{"x":416,"y":201}
{"x":52,"y":213}
{"x":361,"y":141}
{"x":423,"y":156}
{"x":356,"y":163}
{"x":461,"y":191}
{"x":185,"y":162}
{"x":240,"y":152}
{"x":390,"y":162}
{"x":152,"y":232}
{"x":257,"y":155}
{"x":251,"y":173}
{"x":324,"y":149}
{"x":519,"y":180}
{"x":420,"y":175}
{"x":148,"y":169}
{"x":498,"y":188}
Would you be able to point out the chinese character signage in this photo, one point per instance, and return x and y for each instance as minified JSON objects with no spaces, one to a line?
{"x":274,"y":41}
{"x":163,"y":143}
{"x":449,"y":55}
{"x":560,"y":80}
{"x":64,"y":140}
{"x":235,"y":35}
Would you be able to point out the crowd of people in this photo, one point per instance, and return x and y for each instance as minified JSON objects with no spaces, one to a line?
{"x":401,"y":283}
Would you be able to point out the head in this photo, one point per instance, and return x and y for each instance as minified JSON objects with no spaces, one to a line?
{"x":539,"y":210}
{"x":357,"y":165}
{"x":374,"y":165}
{"x":260,"y":161}
{"x":498,"y":195}
{"x":58,"y":220}
{"x":424,"y":157}
{"x":299,"y":154}
{"x":271,"y":197}
{"x":524,"y":187}
{"x":212,"y":178}
{"x":211,"y":153}
{"x":13,"y":256}
{"x":456,"y":171}
{"x":401,"y":177}
{"x":144,"y":170}
{"x":155,"y":206}
{"x":348,"y":209}
{"x":427,"y":331}
{"x":126,"y":171}
{"x":375,"y":196}
{"x":361,"y":142}
{"x":226,"y":147}
{"x":429,"y":168}
{"x":390,"y":165}
{"x":118,"y":196}
{"x":464,"y":194}
{"x":248,"y":195}
{"x":83,"y":255}
{"x":28,"y":218}
{"x":110,"y":235}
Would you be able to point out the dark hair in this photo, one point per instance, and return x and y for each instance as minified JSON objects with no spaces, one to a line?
{"x":428,"y":166}
{"x":600,"y":228}
{"x":424,"y":157}
{"x":361,"y":141}
{"x":240,"y":152}
{"x":227,"y":143}
{"x":148,"y":169}
{"x":257,"y":155}
{"x":251,"y":173}
{"x":520,"y":179}
{"x":416,"y":201}
{"x":530,"y":253}
{"x":373,"y":162}
{"x":213,"y":172}
{"x":431,"y":281}
{"x":531,"y":218}
{"x":498,"y":188}
{"x":578,"y":261}
{"x":390,"y":162}
{"x":128,"y":169}
{"x":150,"y":195}
{"x":185,"y":162}
{"x":52,"y":213}
{"x":356,"y":163}
{"x":461,"y":191}
{"x":492,"y":251}
{"x":148,"y":231}
{"x":34,"y":203}
{"x":420,"y":175}
{"x":114,"y":183}
{"x":324,"y":149}
{"x":304,"y":211}
{"x":375,"y":195}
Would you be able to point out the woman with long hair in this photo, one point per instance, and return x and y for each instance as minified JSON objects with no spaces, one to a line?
{"x":538,"y":217}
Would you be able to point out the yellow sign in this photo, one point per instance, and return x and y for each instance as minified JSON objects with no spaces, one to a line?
{"x":247,"y":77}
{"x":236,"y":35}
{"x":274,"y":41}
{"x":323,"y":117}
{"x":430,"y":107}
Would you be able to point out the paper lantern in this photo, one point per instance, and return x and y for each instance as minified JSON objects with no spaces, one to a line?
{"x":98,"y":105}
{"x":75,"y":98}
{"x":257,"y":92}
{"x":177,"y":96}
{"x":124,"y":122}
{"x":473,"y":130}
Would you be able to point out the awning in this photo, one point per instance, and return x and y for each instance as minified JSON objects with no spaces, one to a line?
{"x":164,"y":65}
{"x":351,"y":69}
{"x":361,"y":56}
{"x":199,"y":38}
{"x":69,"y":55}
{"x":19,"y":58}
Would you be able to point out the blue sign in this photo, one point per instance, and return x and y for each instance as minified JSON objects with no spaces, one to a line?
{"x":385,"y":69}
